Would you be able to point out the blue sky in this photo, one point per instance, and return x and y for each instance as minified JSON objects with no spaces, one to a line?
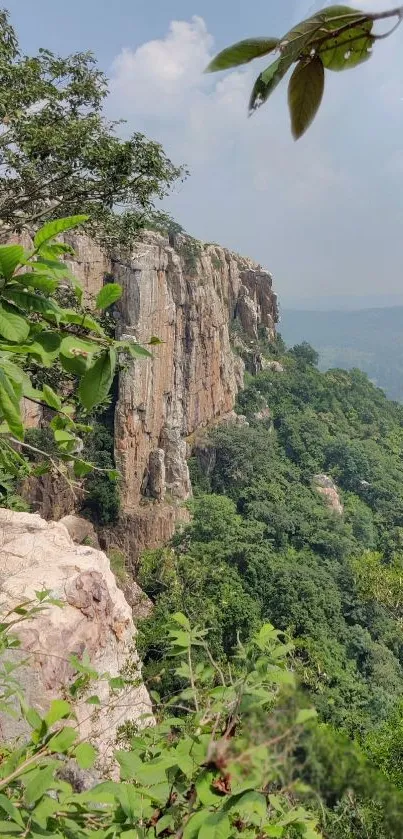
{"x":324,"y":214}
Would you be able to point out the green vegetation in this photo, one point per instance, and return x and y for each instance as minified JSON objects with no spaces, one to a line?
{"x":264,"y":545}
{"x":225,"y":766}
{"x":33,"y":325}
{"x":336,"y":38}
{"x":60,"y":156}
{"x":190,"y":250}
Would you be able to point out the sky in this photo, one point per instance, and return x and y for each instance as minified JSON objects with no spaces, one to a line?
{"x":325,"y":214}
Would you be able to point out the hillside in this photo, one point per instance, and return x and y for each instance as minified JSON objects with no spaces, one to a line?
{"x":370,"y":339}
{"x":266,"y":543}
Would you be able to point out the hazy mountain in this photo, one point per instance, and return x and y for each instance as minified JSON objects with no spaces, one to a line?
{"x":371,"y":339}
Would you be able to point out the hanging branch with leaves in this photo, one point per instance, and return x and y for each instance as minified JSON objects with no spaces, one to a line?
{"x":336,"y":38}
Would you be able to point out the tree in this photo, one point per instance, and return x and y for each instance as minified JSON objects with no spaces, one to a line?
{"x":305,"y":354}
{"x":60,"y":156}
{"x":336,"y":38}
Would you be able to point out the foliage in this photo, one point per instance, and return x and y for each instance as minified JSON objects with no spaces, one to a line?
{"x":260,"y":525}
{"x":60,"y":156}
{"x":101,"y":501}
{"x":33,"y":325}
{"x":335,"y":38}
{"x":190,"y":250}
{"x":223,"y":768}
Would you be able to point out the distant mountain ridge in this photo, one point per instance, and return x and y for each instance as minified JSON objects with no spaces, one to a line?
{"x":370,"y":339}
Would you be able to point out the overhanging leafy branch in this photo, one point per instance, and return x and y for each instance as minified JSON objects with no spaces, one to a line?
{"x":336,"y":38}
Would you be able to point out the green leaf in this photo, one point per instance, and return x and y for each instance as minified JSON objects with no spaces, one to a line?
{"x":62,"y":436}
{"x":10,"y":257}
{"x":242,"y":53}
{"x":13,"y":326}
{"x":305,"y":94}
{"x":33,"y":718}
{"x":117,"y":683}
{"x":76,"y":366}
{"x":85,"y":755}
{"x":110,"y":293}
{"x":53,"y":228}
{"x":215,"y":826}
{"x":135,"y":349}
{"x":10,"y":809}
{"x":349,"y":49}
{"x":304,"y":715}
{"x":9,"y":827}
{"x":248,"y":803}
{"x":83,"y":320}
{"x":39,"y":783}
{"x":16,"y":373}
{"x":9,"y":406}
{"x":31,"y":302}
{"x":205,"y":791}
{"x":276,"y":803}
{"x":266,"y":82}
{"x":96,"y":383}
{"x":51,"y":250}
{"x":72,"y":346}
{"x":130,"y":801}
{"x":63,"y":740}
{"x":51,"y":267}
{"x":194,"y":824}
{"x":42,"y":282}
{"x":93,"y":700}
{"x":163,"y":824}
{"x":82,"y":468}
{"x":59,"y":710}
{"x":49,"y":341}
{"x":129,"y":763}
{"x":182,"y":620}
{"x":51,"y":398}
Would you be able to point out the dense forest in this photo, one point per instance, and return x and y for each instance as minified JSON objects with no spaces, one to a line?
{"x":264,"y":544}
{"x":370,"y":339}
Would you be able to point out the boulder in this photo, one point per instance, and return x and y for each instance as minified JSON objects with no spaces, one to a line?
{"x":81,"y":530}
{"x":95,"y":618}
{"x":329,"y":491}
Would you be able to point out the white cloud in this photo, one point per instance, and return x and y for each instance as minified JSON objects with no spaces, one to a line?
{"x":156,"y":77}
{"x":289,"y":205}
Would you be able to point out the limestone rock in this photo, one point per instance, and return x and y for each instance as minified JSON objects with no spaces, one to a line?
{"x":328,"y":489}
{"x":50,"y":495}
{"x":263,"y":415}
{"x":187,"y":294}
{"x":156,"y":474}
{"x":80,"y":530}
{"x":188,"y":297}
{"x":274,"y":366}
{"x":35,"y":554}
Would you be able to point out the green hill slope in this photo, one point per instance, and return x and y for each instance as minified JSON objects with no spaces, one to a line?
{"x":264,"y":544}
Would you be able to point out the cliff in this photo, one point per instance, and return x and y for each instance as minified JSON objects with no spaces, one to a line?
{"x":191,"y":296}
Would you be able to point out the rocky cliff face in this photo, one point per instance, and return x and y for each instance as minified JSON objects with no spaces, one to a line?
{"x":190,"y":296}
{"x":35,"y":554}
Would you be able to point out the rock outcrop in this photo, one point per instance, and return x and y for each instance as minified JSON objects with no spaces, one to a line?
{"x":327,"y":488}
{"x":189,"y":296}
{"x":95,"y":617}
